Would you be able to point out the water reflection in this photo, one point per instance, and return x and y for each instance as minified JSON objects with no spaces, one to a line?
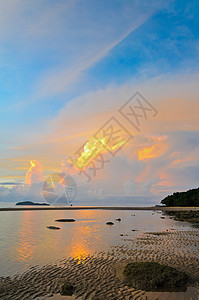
{"x":25,"y":240}
{"x":83,"y":235}
{"x":25,"y":247}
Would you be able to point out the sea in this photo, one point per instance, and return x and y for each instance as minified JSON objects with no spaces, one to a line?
{"x":26,"y":241}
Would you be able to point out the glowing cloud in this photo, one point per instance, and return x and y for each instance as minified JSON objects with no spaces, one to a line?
{"x":92,"y":149}
{"x":35,"y":173}
{"x":156,"y":150}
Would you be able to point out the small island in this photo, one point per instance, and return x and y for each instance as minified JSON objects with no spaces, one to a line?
{"x":30,"y":203}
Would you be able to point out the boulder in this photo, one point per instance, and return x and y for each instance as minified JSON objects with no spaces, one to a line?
{"x":152,"y":276}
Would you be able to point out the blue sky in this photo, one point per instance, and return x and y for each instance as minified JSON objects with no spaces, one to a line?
{"x":80,"y":46}
{"x":56,"y":56}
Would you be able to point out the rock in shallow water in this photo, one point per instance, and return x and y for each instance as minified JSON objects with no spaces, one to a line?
{"x":53,"y":227}
{"x":65,"y":220}
{"x":109,"y":223}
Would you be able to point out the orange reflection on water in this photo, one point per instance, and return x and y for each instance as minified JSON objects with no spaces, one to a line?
{"x":25,"y":248}
{"x":80,"y":245}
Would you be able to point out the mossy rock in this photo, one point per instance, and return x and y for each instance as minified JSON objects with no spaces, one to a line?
{"x":152,"y":276}
{"x":67,"y":289}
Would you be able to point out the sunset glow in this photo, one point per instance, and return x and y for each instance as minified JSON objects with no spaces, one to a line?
{"x":66,"y":76}
{"x":35,"y":173}
{"x":153,"y":151}
{"x":92,"y":149}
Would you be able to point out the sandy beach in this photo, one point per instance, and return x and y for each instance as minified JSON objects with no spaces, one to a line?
{"x":100,"y":276}
{"x":155,"y":208}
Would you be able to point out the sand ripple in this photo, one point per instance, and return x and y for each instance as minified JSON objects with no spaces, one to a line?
{"x":97,"y":275}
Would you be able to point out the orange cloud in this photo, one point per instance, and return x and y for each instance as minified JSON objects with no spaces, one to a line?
{"x":156,"y":150}
{"x":35,"y":173}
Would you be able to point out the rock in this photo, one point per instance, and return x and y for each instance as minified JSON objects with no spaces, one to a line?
{"x":134,"y":230}
{"x":53,"y":227}
{"x":187,"y":216}
{"x":67,"y":289}
{"x":2,"y":287}
{"x":109,"y":223}
{"x":65,"y":220}
{"x":162,"y":217}
{"x":118,"y":219}
{"x":152,"y":276}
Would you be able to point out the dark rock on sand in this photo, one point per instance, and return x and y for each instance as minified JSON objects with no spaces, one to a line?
{"x":162,"y":217}
{"x":65,"y":220}
{"x":53,"y":227}
{"x":152,"y":276}
{"x":2,"y":287}
{"x":109,"y":223}
{"x":67,"y":289}
{"x":118,"y":219}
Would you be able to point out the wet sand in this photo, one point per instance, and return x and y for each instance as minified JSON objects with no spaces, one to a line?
{"x":99,"y":207}
{"x":100,"y":275}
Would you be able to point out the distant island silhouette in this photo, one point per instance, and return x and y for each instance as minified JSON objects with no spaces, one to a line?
{"x":30,"y":203}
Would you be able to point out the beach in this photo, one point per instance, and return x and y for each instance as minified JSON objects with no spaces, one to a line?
{"x":99,"y":276}
{"x":51,"y":208}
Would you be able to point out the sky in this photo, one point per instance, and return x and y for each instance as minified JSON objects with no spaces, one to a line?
{"x":69,"y":67}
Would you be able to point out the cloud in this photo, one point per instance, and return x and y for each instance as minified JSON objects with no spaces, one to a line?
{"x":11,"y":183}
{"x":68,"y":36}
{"x":22,"y":193}
{"x":171,"y":136}
{"x":35,"y":173}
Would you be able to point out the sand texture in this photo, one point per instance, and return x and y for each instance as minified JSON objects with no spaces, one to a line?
{"x":100,"y":276}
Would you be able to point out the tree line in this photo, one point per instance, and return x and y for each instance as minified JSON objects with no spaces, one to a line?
{"x":189,"y":198}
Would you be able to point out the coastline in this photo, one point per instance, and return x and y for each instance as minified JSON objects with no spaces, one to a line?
{"x":176,"y":208}
{"x":99,"y":276}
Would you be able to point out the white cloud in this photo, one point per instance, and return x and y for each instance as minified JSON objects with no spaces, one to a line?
{"x":74,"y":34}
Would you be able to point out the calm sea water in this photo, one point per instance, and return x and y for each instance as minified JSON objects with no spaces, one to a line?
{"x":25,"y":241}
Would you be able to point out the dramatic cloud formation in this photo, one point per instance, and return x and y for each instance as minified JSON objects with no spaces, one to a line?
{"x":35,"y":173}
{"x":69,"y":66}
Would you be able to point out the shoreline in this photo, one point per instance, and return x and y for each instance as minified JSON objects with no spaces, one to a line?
{"x":176,"y":208}
{"x":99,"y":276}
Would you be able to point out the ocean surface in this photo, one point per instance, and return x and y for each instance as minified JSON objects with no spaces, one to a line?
{"x":26,"y":241}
